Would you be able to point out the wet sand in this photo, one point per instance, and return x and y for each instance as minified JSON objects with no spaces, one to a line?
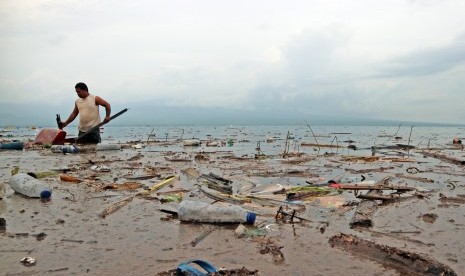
{"x":138,"y":239}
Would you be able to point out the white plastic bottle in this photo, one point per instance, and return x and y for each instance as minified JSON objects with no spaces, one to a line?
{"x":197,"y":211}
{"x":29,"y":186}
{"x":101,"y":147}
{"x":64,"y":149}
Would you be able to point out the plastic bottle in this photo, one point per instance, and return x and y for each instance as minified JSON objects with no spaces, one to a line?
{"x":64,"y":149}
{"x":197,"y":211}
{"x":29,"y":186}
{"x":108,"y":147}
{"x":12,"y":146}
{"x":191,"y":142}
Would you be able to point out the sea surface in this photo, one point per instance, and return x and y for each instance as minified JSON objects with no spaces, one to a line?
{"x":246,"y":140}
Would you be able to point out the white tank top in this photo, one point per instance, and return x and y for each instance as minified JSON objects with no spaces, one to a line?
{"x":88,"y":113}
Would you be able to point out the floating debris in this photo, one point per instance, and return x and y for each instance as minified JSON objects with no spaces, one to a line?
{"x":28,"y":261}
{"x":407,"y":263}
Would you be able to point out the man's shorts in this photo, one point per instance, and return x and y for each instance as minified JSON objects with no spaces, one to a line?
{"x":91,"y":138}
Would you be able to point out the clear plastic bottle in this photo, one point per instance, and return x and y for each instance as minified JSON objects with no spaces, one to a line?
{"x":29,"y":186}
{"x":64,"y":149}
{"x":101,"y":147}
{"x":197,"y":211}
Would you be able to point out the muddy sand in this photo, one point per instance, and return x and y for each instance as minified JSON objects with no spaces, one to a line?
{"x":417,"y":232}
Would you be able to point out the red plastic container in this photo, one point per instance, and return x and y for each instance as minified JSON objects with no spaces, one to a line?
{"x":51,"y":136}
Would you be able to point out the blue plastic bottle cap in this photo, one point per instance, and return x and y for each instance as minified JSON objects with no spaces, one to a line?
{"x":251,"y":217}
{"x":45,"y":194}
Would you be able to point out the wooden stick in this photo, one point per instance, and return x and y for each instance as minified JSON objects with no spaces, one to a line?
{"x":368,"y":187}
{"x":381,"y":197}
{"x":444,"y":157}
{"x":99,"y":125}
{"x":201,"y":237}
{"x":150,"y":134}
{"x":313,"y":134}
{"x":408,"y":144}
{"x":118,"y":205}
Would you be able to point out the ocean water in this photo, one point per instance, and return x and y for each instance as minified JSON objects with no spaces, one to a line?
{"x":269,"y":139}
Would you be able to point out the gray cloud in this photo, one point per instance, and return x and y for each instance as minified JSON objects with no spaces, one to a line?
{"x":426,"y":61}
{"x":295,"y":61}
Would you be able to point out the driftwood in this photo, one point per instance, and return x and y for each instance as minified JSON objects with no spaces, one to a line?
{"x":200,"y":238}
{"x":303,"y":192}
{"x":302,"y":195}
{"x":191,"y":172}
{"x":364,"y":171}
{"x":178,"y":159}
{"x":394,"y":147}
{"x":421,"y":179}
{"x":443,"y":157}
{"x":121,"y":187}
{"x":217,"y":183}
{"x":398,"y":159}
{"x":305,"y":144}
{"x":142,"y":177}
{"x":225,"y":197}
{"x":383,"y":197}
{"x":405,"y":262}
{"x":459,"y":200}
{"x":118,"y":205}
{"x":289,"y":173}
{"x":361,"y":158}
{"x":375,"y":187}
{"x":115,"y":206}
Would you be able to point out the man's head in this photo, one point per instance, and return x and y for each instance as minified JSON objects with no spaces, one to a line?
{"x":81,"y":90}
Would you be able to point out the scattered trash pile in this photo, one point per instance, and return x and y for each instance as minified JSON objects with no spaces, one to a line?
{"x":260,"y":194}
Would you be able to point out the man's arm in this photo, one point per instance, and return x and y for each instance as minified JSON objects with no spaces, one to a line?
{"x":102,"y":102}
{"x":71,"y":117}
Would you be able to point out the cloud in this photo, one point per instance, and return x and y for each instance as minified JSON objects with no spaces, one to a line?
{"x":368,"y":59}
{"x":426,"y":61}
{"x":41,"y":86}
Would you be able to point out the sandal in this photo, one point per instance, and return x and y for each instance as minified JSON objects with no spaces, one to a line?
{"x":185,"y":268}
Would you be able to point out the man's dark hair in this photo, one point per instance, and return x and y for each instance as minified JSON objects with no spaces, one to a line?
{"x":81,"y":86}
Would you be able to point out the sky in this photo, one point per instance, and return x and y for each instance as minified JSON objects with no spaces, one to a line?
{"x":205,"y":60}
